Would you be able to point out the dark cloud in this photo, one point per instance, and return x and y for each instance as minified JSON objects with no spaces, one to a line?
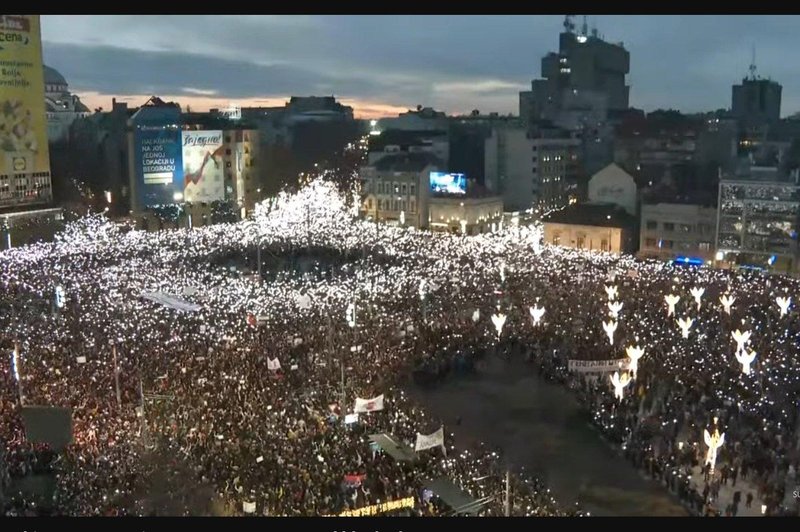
{"x":122,"y":71}
{"x":452,"y":62}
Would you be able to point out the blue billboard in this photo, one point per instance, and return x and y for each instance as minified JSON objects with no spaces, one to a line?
{"x":159,"y":164}
{"x":448,"y":183}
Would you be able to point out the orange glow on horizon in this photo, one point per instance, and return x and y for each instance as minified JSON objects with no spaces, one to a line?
{"x":361,"y":108}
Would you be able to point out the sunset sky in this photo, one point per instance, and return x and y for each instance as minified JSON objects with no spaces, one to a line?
{"x":383,"y":65}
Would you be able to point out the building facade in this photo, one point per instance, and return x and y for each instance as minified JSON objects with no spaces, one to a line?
{"x":195,"y":162}
{"x":465,"y":216}
{"x":591,"y":227}
{"x":424,"y":118}
{"x":395,"y":141}
{"x":530,"y":171}
{"x":24,"y":155}
{"x":757,"y":221}
{"x":670,"y":230}
{"x":62,"y":107}
{"x":756,"y":101}
{"x":396,"y":188}
{"x":613,"y":185}
{"x":586,"y":74}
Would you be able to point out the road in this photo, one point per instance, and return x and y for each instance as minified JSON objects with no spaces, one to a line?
{"x":542,"y":428}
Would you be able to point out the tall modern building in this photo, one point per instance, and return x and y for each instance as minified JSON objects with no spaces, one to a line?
{"x":756,"y":101}
{"x":585,"y":78}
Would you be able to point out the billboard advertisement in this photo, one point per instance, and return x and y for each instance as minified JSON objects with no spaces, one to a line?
{"x":23,"y":127}
{"x":159,"y":164}
{"x":203,"y":165}
{"x":448,"y":183}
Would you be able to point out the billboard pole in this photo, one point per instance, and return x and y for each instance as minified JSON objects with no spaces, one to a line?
{"x":258,"y":251}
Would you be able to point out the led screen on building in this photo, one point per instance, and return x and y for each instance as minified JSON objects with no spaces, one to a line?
{"x":202,"y":166}
{"x":448,"y":183}
{"x":159,"y":165}
{"x":23,"y":128}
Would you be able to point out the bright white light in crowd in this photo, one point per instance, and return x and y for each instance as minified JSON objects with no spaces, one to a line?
{"x":720,"y":255}
{"x":671,"y":300}
{"x":536,"y":313}
{"x":697,"y":293}
{"x":350,"y":313}
{"x":685,"y":324}
{"x":609,"y":327}
{"x":741,"y":338}
{"x":499,"y":320}
{"x":15,"y":364}
{"x":783,"y":304}
{"x":611,"y":291}
{"x":503,"y":272}
{"x":634,"y":354}
{"x":476,"y":315}
{"x":619,"y":383}
{"x":422,"y":284}
{"x":745,"y":359}
{"x":177,"y":196}
{"x":614,"y":307}
{"x":727,"y":302}
{"x":60,"y":297}
{"x":714,"y":442}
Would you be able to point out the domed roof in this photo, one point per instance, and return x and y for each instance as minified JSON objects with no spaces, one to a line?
{"x":53,"y":77}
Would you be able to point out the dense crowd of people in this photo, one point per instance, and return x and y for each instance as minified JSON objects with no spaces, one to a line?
{"x":201,"y":397}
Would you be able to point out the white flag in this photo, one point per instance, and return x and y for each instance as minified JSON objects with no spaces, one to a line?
{"x":368,"y":405}
{"x":303,"y":301}
{"x":273,"y":364}
{"x":429,"y":441}
{"x":249,"y":507}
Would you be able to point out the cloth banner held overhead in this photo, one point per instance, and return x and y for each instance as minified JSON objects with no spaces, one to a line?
{"x":249,"y":507}
{"x":368,"y":405}
{"x":273,"y":364}
{"x":354,"y":480}
{"x":429,"y":441}
{"x":597,"y":366}
{"x":171,"y":301}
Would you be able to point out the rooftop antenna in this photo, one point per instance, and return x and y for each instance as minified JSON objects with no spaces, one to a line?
{"x":752,"y":68}
{"x":585,"y":27}
{"x":569,"y":26}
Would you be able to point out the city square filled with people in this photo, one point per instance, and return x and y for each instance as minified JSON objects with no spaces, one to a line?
{"x":198,"y":388}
